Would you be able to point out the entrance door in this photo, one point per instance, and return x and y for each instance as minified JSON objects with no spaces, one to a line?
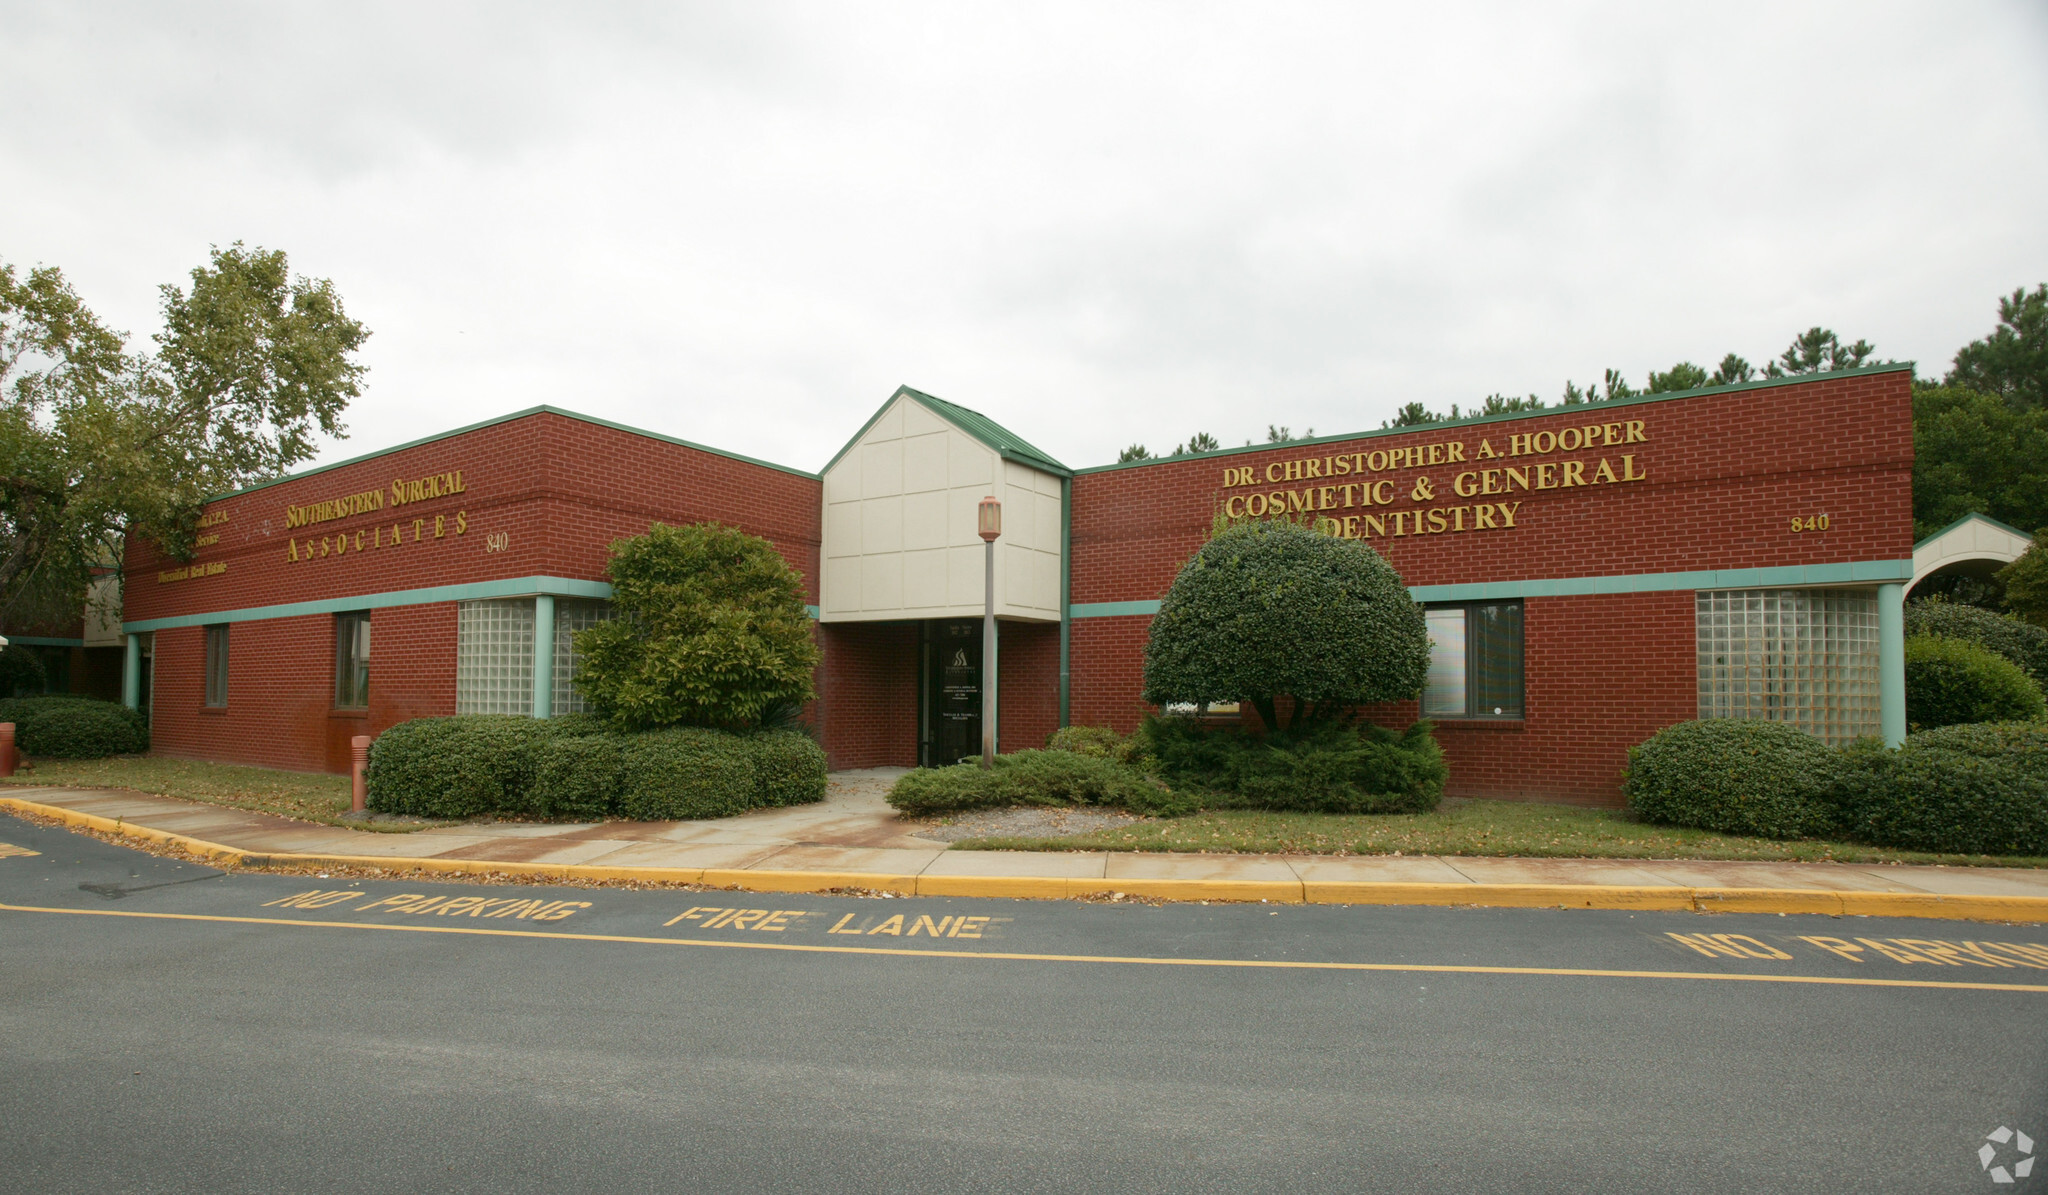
{"x":954,"y":689}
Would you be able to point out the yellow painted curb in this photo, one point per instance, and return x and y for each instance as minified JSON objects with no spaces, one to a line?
{"x":1511,"y":896}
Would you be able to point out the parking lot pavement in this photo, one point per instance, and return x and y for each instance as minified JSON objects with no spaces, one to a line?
{"x":171,"y":1027}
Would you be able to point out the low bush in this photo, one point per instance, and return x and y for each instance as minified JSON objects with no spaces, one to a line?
{"x":577,"y":777}
{"x":463,"y":766}
{"x":685,"y":772}
{"x":1734,"y":776}
{"x":22,"y":710}
{"x":1951,"y":681}
{"x":789,"y":768}
{"x":1046,"y":777}
{"x":80,"y":730}
{"x":1321,"y":769}
{"x":1099,"y":742}
{"x":2017,"y":640}
{"x":1974,"y":789}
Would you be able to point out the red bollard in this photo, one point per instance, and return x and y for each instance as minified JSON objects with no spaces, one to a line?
{"x":359,"y":792}
{"x":7,"y":759}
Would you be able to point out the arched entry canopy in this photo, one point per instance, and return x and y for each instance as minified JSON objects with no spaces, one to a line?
{"x":1972,"y":546}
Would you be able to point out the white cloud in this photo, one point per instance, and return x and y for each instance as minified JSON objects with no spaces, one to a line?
{"x":746,"y":225}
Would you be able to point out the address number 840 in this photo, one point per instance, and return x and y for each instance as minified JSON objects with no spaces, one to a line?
{"x":1809,"y":523}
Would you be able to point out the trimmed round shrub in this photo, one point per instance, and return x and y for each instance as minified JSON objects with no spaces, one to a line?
{"x":1949,"y":681}
{"x":789,"y":768}
{"x":2017,"y":640}
{"x":1098,"y":741}
{"x":577,"y":776}
{"x":21,"y":710}
{"x":685,"y":772}
{"x":464,"y":766}
{"x":1053,"y":778}
{"x":80,"y":730}
{"x":1972,"y":789}
{"x":1267,"y":609}
{"x":1321,"y":769}
{"x":1733,"y":776}
{"x":21,"y":671}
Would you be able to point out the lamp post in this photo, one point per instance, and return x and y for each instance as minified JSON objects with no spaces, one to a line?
{"x":991,"y":528}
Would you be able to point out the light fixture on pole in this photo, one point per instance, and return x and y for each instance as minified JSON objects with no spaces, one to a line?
{"x":991,"y":529}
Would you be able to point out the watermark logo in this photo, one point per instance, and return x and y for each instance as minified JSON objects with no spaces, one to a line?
{"x":1990,"y":1156}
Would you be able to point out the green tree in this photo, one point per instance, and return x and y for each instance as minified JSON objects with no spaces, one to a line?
{"x":1818,"y":350}
{"x":1732,"y":371}
{"x":2013,"y":361}
{"x":1271,"y":608}
{"x":1617,"y":386}
{"x":1199,"y":442}
{"x":2026,"y":582}
{"x":1500,"y":404}
{"x":97,"y":442}
{"x":1976,"y":453}
{"x":710,"y":629}
{"x":1682,"y":376}
{"x":1136,"y":452}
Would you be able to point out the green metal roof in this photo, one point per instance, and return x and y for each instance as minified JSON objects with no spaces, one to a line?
{"x":1006,"y":443}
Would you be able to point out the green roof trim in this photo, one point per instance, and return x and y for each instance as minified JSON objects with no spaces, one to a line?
{"x":1007,"y":444}
{"x":1468,"y":421}
{"x":530,"y":411}
{"x":1966,"y":518}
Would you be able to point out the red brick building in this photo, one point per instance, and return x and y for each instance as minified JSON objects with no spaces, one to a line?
{"x":1589,"y":573}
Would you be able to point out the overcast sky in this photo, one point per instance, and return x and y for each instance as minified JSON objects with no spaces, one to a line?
{"x":746,"y":224}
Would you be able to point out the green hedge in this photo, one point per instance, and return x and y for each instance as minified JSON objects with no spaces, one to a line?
{"x":1951,"y":681}
{"x":1033,"y":778}
{"x":1098,"y":741}
{"x":63,"y":726}
{"x":1980,"y":789}
{"x":575,"y":767}
{"x":2017,"y":640}
{"x":1324,"y":769}
{"x":1735,"y":776}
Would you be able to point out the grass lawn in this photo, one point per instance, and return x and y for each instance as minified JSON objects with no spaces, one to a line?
{"x":1520,"y":828}
{"x":307,"y":796}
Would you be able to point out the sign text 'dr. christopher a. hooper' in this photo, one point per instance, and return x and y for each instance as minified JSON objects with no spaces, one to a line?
{"x":1322,"y":486}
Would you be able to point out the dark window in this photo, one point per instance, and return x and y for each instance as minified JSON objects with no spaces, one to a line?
{"x":1475,"y":661}
{"x":216,"y":666}
{"x":352,"y":661}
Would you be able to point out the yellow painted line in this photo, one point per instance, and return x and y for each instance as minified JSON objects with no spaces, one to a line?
{"x":1830,"y":902}
{"x":1018,"y":956}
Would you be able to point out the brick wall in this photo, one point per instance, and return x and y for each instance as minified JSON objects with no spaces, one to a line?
{"x":1027,"y":684}
{"x":543,"y":495}
{"x":1723,"y":475}
{"x":868,"y":688}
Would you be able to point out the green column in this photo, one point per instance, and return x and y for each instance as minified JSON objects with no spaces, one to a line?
{"x":544,"y":656}
{"x":131,"y":674}
{"x":1891,"y":662}
{"x":1066,"y":599}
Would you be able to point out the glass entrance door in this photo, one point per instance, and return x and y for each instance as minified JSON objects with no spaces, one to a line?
{"x":953,"y":689}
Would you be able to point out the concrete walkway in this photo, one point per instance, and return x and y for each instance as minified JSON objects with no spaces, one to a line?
{"x":854,"y":833}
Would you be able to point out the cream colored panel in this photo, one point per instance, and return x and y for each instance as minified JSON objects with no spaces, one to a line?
{"x":881,"y":526}
{"x":961,"y":519}
{"x":1020,"y":516}
{"x":971,"y":463}
{"x":842,"y":481}
{"x":842,"y":585}
{"x":924,"y":579}
{"x":890,"y":425}
{"x":924,"y":463}
{"x":924,"y":521}
{"x":917,"y":420}
{"x":1048,"y":523}
{"x":1048,"y":484}
{"x":881,"y":469}
{"x":842,"y":529}
{"x":963,"y":575}
{"x":881,"y":582}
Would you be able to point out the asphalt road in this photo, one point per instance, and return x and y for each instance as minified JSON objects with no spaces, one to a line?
{"x":167,"y":1028}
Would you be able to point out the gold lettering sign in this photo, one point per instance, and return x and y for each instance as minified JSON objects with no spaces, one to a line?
{"x":440,"y":485}
{"x":1306,"y":487}
{"x":374,"y":539}
{"x":192,"y":572}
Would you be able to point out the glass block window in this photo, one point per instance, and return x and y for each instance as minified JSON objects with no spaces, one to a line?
{"x":494,"y":657}
{"x":571,"y":617}
{"x":1803,"y":656}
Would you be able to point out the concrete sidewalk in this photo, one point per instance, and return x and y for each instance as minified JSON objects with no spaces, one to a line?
{"x":853,"y":839}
